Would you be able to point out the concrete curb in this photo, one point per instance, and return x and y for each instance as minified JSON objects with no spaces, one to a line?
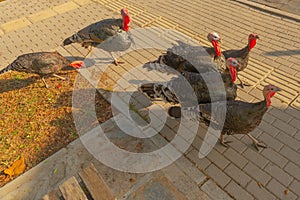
{"x":270,"y":10}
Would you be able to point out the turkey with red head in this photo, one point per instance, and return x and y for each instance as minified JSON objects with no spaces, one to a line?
{"x":111,"y":35}
{"x":188,"y":58}
{"x":240,"y":117}
{"x":41,"y":63}
{"x":199,"y":84}
{"x":242,"y":55}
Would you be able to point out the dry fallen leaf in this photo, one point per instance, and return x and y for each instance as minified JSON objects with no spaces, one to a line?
{"x":286,"y":191}
{"x":259,"y":184}
{"x":132,"y":180}
{"x":16,"y":168}
{"x":139,"y":146}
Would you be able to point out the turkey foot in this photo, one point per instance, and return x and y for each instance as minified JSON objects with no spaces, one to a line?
{"x":223,"y":142}
{"x":46,"y":85}
{"x":116,"y":62}
{"x":242,"y":84}
{"x":256,"y":142}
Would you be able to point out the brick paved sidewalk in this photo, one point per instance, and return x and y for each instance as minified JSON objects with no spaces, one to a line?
{"x":238,"y":171}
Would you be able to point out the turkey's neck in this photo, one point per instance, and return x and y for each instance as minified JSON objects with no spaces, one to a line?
{"x":268,"y":97}
{"x":251,"y":44}
{"x":126,"y":21}
{"x":217,"y":47}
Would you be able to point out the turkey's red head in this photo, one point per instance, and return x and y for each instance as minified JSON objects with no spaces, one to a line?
{"x":252,"y":40}
{"x":126,"y":19}
{"x":269,"y":91}
{"x":215,"y":41}
{"x":77,"y":64}
{"x":232,"y":64}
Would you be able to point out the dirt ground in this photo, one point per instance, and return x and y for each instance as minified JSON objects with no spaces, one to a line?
{"x":35,"y":122}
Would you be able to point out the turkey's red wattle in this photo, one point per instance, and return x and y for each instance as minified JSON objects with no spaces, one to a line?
{"x":217,"y":47}
{"x":268,"y":98}
{"x":232,"y":71}
{"x":252,"y":43}
{"x":76,"y":64}
{"x":126,"y":21}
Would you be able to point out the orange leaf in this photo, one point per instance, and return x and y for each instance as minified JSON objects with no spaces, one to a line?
{"x":132,"y":180}
{"x":59,"y":86}
{"x":286,"y":191}
{"x":259,"y":184}
{"x":16,"y":168}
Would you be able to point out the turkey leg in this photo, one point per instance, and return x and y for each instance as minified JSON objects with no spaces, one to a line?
{"x":223,"y":142}
{"x":256,"y":142}
{"x":242,"y":83}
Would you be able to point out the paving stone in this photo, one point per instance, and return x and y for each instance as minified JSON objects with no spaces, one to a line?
{"x":278,"y":174}
{"x":294,"y":112}
{"x":41,"y":15}
{"x":183,"y":183}
{"x":214,"y":191}
{"x":295,"y":185}
{"x":295,"y":123}
{"x":82,"y":2}
{"x":278,"y":189}
{"x":218,"y":175}
{"x":297,"y":135}
{"x":239,"y":146}
{"x":269,"y":118}
{"x":191,"y":170}
{"x":290,"y":154}
{"x":268,"y":128}
{"x":255,"y":157}
{"x":274,"y":157}
{"x":15,"y":24}
{"x":289,"y":141}
{"x":280,"y":114}
{"x":237,"y":191}
{"x":235,"y":157}
{"x":65,"y":7}
{"x":285,"y":127}
{"x":259,"y":193}
{"x":237,"y":174}
{"x":271,"y":141}
{"x":257,"y":173}
{"x":202,"y":163}
{"x":293,"y":170}
{"x":218,"y":159}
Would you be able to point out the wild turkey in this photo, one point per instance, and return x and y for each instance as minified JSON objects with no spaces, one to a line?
{"x":188,"y":58}
{"x":111,"y":35}
{"x":242,"y":55}
{"x":241,"y":117}
{"x":167,"y":91}
{"x":41,"y":63}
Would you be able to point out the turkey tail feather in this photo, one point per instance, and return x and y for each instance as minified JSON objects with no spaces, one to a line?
{"x":158,"y":90}
{"x":6,"y":69}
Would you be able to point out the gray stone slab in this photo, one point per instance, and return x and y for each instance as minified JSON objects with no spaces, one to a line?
{"x":214,"y":191}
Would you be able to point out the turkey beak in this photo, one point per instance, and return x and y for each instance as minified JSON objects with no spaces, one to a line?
{"x":77,"y":64}
{"x":278,"y":90}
